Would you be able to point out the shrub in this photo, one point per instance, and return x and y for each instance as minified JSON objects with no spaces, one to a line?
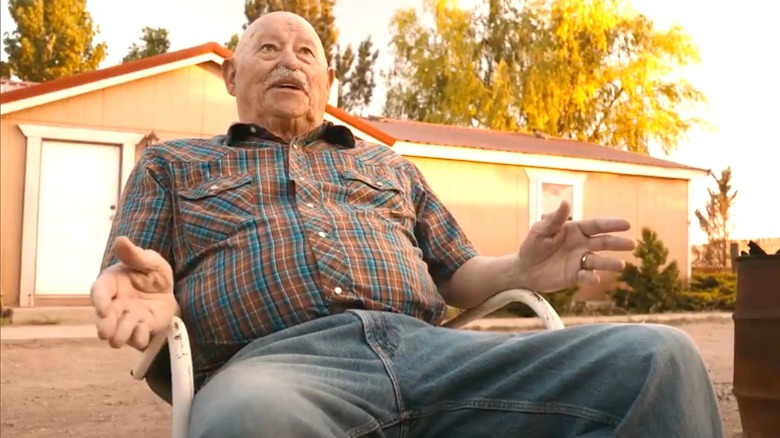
{"x":710,"y":291}
{"x":651,"y":286}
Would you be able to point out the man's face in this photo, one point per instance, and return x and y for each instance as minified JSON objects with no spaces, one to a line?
{"x":280,"y":71}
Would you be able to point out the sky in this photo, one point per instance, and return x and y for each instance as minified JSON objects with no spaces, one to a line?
{"x":739,"y":73}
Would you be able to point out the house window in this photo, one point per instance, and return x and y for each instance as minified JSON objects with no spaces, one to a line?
{"x":547,"y":188}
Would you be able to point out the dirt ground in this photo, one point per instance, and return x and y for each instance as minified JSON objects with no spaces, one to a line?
{"x":82,"y":388}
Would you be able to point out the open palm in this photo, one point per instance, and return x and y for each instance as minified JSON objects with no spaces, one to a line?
{"x":551,"y":256}
{"x":134,"y":298}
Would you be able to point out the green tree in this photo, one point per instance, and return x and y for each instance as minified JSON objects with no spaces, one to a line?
{"x":590,"y":70}
{"x":354,"y":70}
{"x":153,"y":41}
{"x":52,"y":39}
{"x":5,"y":70}
{"x":715,"y":222}
{"x":232,"y":43}
{"x":356,"y":76}
{"x":654,"y":285}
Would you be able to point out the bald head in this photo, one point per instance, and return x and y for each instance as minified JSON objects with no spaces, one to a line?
{"x":270,"y":22}
{"x":279,"y":75}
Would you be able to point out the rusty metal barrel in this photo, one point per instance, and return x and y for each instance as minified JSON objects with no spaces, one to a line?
{"x":757,"y":345}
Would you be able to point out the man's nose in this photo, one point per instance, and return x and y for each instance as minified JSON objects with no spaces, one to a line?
{"x":290,"y":60}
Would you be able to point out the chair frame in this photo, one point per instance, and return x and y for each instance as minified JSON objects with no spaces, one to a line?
{"x":182,"y":383}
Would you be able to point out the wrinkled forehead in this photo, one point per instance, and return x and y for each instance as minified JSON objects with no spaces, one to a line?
{"x":284,"y":29}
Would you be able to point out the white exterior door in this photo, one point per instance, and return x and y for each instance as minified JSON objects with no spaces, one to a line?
{"x":79,"y":192}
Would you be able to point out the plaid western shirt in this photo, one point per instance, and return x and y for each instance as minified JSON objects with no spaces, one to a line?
{"x":263,"y":235}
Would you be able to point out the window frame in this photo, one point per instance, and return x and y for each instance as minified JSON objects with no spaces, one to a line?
{"x":536,"y":180}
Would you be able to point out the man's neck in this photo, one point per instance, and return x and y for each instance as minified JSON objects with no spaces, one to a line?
{"x":289,"y":130}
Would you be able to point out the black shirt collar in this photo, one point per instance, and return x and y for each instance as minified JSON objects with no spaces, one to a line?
{"x":337,"y":135}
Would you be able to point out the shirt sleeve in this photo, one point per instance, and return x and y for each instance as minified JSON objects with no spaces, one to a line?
{"x":444,"y":245}
{"x":144,"y":213}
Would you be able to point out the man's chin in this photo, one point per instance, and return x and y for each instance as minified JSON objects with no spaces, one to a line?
{"x":290,"y":111}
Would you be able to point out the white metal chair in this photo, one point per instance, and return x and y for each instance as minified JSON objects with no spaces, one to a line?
{"x":179,"y":389}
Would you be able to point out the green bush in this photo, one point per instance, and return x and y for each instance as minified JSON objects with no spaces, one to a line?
{"x":651,"y":286}
{"x":714,"y":291}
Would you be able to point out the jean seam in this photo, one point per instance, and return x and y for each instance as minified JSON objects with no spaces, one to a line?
{"x":370,"y":427}
{"x":368,"y":324}
{"x":519,"y":407}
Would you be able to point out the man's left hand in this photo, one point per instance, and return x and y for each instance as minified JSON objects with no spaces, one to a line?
{"x":558,"y":253}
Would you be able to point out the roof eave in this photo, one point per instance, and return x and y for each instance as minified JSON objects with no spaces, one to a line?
{"x":424,"y":150}
{"x":51,"y":91}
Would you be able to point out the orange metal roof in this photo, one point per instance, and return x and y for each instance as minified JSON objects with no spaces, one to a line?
{"x":430,"y":133}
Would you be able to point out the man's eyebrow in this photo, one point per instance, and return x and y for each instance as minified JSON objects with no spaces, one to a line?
{"x":305,"y":40}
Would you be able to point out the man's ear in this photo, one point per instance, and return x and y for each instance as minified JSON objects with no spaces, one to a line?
{"x":229,"y":76}
{"x":331,"y":76}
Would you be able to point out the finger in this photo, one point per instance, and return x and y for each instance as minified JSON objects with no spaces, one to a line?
{"x":131,"y":255}
{"x":553,"y":223}
{"x":587,"y":276}
{"x":103,"y":292}
{"x":610,"y":242}
{"x":125,"y":327}
{"x":106,"y":326}
{"x":591,"y":227}
{"x":596,"y":262}
{"x":140,"y":337}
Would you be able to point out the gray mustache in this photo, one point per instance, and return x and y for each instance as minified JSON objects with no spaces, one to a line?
{"x":283,"y":75}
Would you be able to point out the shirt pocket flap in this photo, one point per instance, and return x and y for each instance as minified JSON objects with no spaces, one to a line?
{"x":377,"y":182}
{"x":215,"y":186}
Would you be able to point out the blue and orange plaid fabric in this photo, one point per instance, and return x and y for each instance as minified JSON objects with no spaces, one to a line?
{"x":263,"y":235}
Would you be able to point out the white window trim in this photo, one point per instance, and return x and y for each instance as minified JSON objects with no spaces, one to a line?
{"x":36,"y":134}
{"x":538,"y":177}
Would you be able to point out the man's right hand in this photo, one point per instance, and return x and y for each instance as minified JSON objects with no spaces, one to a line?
{"x":134,"y":298}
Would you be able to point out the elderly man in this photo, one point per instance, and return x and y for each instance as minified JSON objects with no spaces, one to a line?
{"x":312,"y":270}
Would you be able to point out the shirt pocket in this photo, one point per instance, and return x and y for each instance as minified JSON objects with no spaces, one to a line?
{"x":367,"y":192}
{"x":215,"y":209}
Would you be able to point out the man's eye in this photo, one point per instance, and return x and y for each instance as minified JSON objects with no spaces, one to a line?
{"x":267,"y":48}
{"x":306,"y":50}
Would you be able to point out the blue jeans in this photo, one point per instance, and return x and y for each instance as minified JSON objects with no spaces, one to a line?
{"x":376,"y":374}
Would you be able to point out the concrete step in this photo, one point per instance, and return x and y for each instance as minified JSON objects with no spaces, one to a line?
{"x":37,"y":332}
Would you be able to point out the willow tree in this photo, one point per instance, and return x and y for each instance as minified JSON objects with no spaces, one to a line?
{"x":591,"y":70}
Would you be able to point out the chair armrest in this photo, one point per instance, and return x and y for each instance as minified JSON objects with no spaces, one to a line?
{"x":536,"y":302}
{"x":182,"y":379}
